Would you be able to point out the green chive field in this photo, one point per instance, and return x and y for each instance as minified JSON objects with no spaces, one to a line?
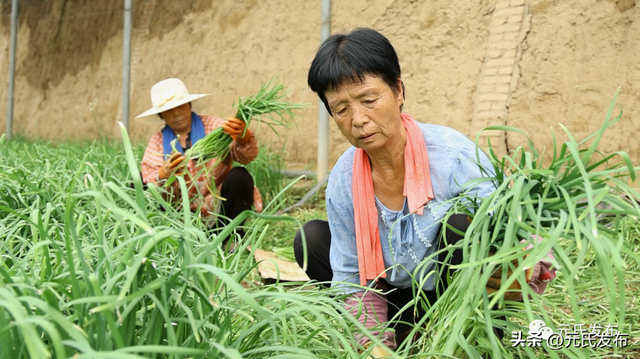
{"x":94,"y":266}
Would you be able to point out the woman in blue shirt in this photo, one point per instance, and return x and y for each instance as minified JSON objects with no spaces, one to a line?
{"x":386,"y":195}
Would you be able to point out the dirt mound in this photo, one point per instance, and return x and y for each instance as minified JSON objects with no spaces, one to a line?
{"x":69,"y":63}
{"x":66,"y":36}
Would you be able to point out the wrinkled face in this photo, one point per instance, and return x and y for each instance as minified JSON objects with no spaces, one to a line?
{"x":367,"y":112}
{"x":178,"y":118}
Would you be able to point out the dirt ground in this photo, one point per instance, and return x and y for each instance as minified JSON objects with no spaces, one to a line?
{"x":69,"y":63}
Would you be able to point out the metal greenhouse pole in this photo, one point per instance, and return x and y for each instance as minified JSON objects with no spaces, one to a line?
{"x":12,"y":65}
{"x":323,"y":119}
{"x":126,"y":63}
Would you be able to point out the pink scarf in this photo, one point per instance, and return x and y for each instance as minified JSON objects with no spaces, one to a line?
{"x":417,"y":189}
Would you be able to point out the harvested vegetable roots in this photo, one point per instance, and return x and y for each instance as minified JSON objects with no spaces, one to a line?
{"x":266,"y":106}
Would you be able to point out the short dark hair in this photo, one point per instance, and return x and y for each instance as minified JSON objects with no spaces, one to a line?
{"x":349,"y":57}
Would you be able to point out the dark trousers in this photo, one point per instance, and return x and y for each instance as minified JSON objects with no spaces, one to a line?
{"x":237,"y":189}
{"x":318,"y":239}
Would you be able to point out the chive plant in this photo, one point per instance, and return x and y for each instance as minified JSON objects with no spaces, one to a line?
{"x":578,"y":204}
{"x":93,"y":268}
{"x":267,"y":107}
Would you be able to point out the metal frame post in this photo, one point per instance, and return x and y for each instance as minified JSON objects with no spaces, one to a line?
{"x":126,"y":63}
{"x":12,"y":65}
{"x":323,"y":116}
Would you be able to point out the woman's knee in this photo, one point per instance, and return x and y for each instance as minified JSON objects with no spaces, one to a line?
{"x":454,"y":230}
{"x":317,"y":239}
{"x":456,"y":226}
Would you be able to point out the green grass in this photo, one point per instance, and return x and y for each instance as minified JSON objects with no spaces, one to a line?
{"x":267,"y":174}
{"x":91,"y":267}
{"x":280,"y":235}
{"x":575,"y":204}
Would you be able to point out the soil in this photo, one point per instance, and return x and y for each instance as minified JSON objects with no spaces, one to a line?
{"x":64,"y":37}
{"x":576,"y":56}
{"x":69,"y":63}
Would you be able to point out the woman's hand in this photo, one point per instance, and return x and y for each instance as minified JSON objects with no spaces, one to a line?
{"x":371,"y":309}
{"x":175,"y":164}
{"x":537,"y":277}
{"x":495,"y":283}
{"x":234,"y":128}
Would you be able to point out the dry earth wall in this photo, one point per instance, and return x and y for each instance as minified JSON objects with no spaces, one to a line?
{"x":575,"y":57}
{"x":568,"y":59}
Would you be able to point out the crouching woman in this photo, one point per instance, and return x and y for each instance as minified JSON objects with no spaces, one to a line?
{"x":386,"y":195}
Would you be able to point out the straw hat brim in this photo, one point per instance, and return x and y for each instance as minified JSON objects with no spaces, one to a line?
{"x":171,"y":104}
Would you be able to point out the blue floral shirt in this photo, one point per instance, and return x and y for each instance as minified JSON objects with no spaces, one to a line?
{"x":406,"y":239}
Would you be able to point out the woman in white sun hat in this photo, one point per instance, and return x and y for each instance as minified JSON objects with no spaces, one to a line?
{"x":172,"y":102}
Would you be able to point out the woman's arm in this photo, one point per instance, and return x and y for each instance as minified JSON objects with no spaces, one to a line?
{"x":343,"y":253}
{"x":246,"y":152}
{"x":467,"y":169}
{"x":371,"y":310}
{"x":369,"y":307}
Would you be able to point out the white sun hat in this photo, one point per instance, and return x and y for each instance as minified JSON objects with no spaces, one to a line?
{"x":168,"y":94}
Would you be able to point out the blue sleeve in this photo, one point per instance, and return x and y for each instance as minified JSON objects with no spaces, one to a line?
{"x":344,"y":252}
{"x":467,"y":170}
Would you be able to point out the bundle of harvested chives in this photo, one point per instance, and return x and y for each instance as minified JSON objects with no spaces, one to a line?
{"x":576,"y":204}
{"x":266,"y":106}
